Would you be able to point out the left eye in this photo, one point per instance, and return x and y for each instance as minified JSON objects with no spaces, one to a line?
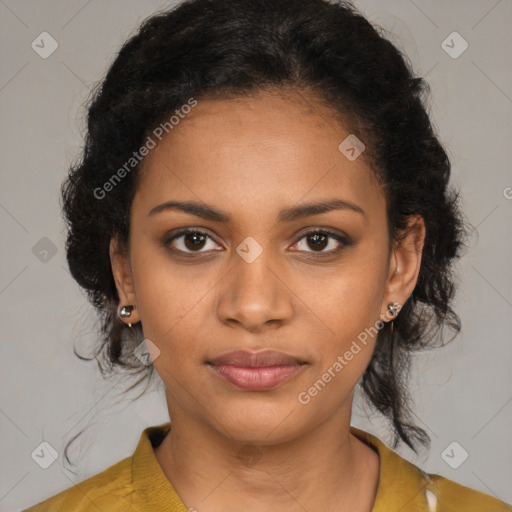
{"x":322,"y":239}
{"x":190,"y":241}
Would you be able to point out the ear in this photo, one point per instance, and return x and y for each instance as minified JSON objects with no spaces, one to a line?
{"x":121,"y":270}
{"x":404,"y":267}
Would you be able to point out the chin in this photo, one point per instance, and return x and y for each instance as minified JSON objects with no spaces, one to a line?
{"x":255,"y":423}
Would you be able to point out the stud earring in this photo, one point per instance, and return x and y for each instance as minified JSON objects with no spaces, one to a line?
{"x":126,"y":312}
{"x":393,"y":308}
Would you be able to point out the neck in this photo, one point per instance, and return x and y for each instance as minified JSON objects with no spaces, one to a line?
{"x":325,"y":469}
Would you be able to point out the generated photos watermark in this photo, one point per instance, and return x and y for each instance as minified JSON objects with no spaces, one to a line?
{"x":149,"y":144}
{"x":305,"y":397}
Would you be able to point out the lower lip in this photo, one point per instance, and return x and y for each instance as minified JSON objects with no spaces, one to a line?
{"x":256,"y":379}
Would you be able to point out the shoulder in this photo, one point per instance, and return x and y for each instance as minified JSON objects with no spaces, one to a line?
{"x":109,"y":490}
{"x":405,"y":486}
{"x":452,"y":496}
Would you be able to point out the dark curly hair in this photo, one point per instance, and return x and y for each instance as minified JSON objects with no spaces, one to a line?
{"x":206,"y":49}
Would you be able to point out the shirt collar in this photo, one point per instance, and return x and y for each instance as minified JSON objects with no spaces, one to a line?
{"x":151,"y":485}
{"x":402,"y":485}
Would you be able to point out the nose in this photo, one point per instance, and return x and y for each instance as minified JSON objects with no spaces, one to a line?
{"x":254,"y":296}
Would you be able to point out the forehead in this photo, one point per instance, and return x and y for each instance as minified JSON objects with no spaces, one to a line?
{"x":274,"y":147}
{"x":267,"y":119}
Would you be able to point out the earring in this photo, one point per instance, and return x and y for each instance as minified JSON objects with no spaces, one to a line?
{"x":393,"y":308}
{"x":126,"y":312}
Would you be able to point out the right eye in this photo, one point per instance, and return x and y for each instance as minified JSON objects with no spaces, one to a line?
{"x":189,"y":241}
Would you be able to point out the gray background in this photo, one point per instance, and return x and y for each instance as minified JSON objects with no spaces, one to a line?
{"x":463,"y":392}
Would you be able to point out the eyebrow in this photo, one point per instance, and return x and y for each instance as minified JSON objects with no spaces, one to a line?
{"x":286,"y":215}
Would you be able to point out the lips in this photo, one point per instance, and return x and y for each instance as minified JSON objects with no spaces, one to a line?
{"x":256,"y":359}
{"x":256,"y":371}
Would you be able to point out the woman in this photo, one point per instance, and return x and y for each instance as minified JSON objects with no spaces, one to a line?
{"x":262,"y":215}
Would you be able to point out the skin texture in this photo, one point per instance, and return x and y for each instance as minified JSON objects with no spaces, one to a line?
{"x":252,"y":157}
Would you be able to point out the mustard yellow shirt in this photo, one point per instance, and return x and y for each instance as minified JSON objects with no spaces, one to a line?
{"x":138,"y":483}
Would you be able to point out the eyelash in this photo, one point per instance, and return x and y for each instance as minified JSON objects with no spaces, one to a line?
{"x":344,"y":241}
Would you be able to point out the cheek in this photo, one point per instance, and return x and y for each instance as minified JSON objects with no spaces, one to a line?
{"x":349,"y":296}
{"x":347,"y":313}
{"x":161,"y":299}
{"x":344,"y":340}
{"x":172,"y":310}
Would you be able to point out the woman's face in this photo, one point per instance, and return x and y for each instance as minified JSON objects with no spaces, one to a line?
{"x":251,"y":279}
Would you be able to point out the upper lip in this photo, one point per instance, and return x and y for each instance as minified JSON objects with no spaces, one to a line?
{"x":262,"y":358}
